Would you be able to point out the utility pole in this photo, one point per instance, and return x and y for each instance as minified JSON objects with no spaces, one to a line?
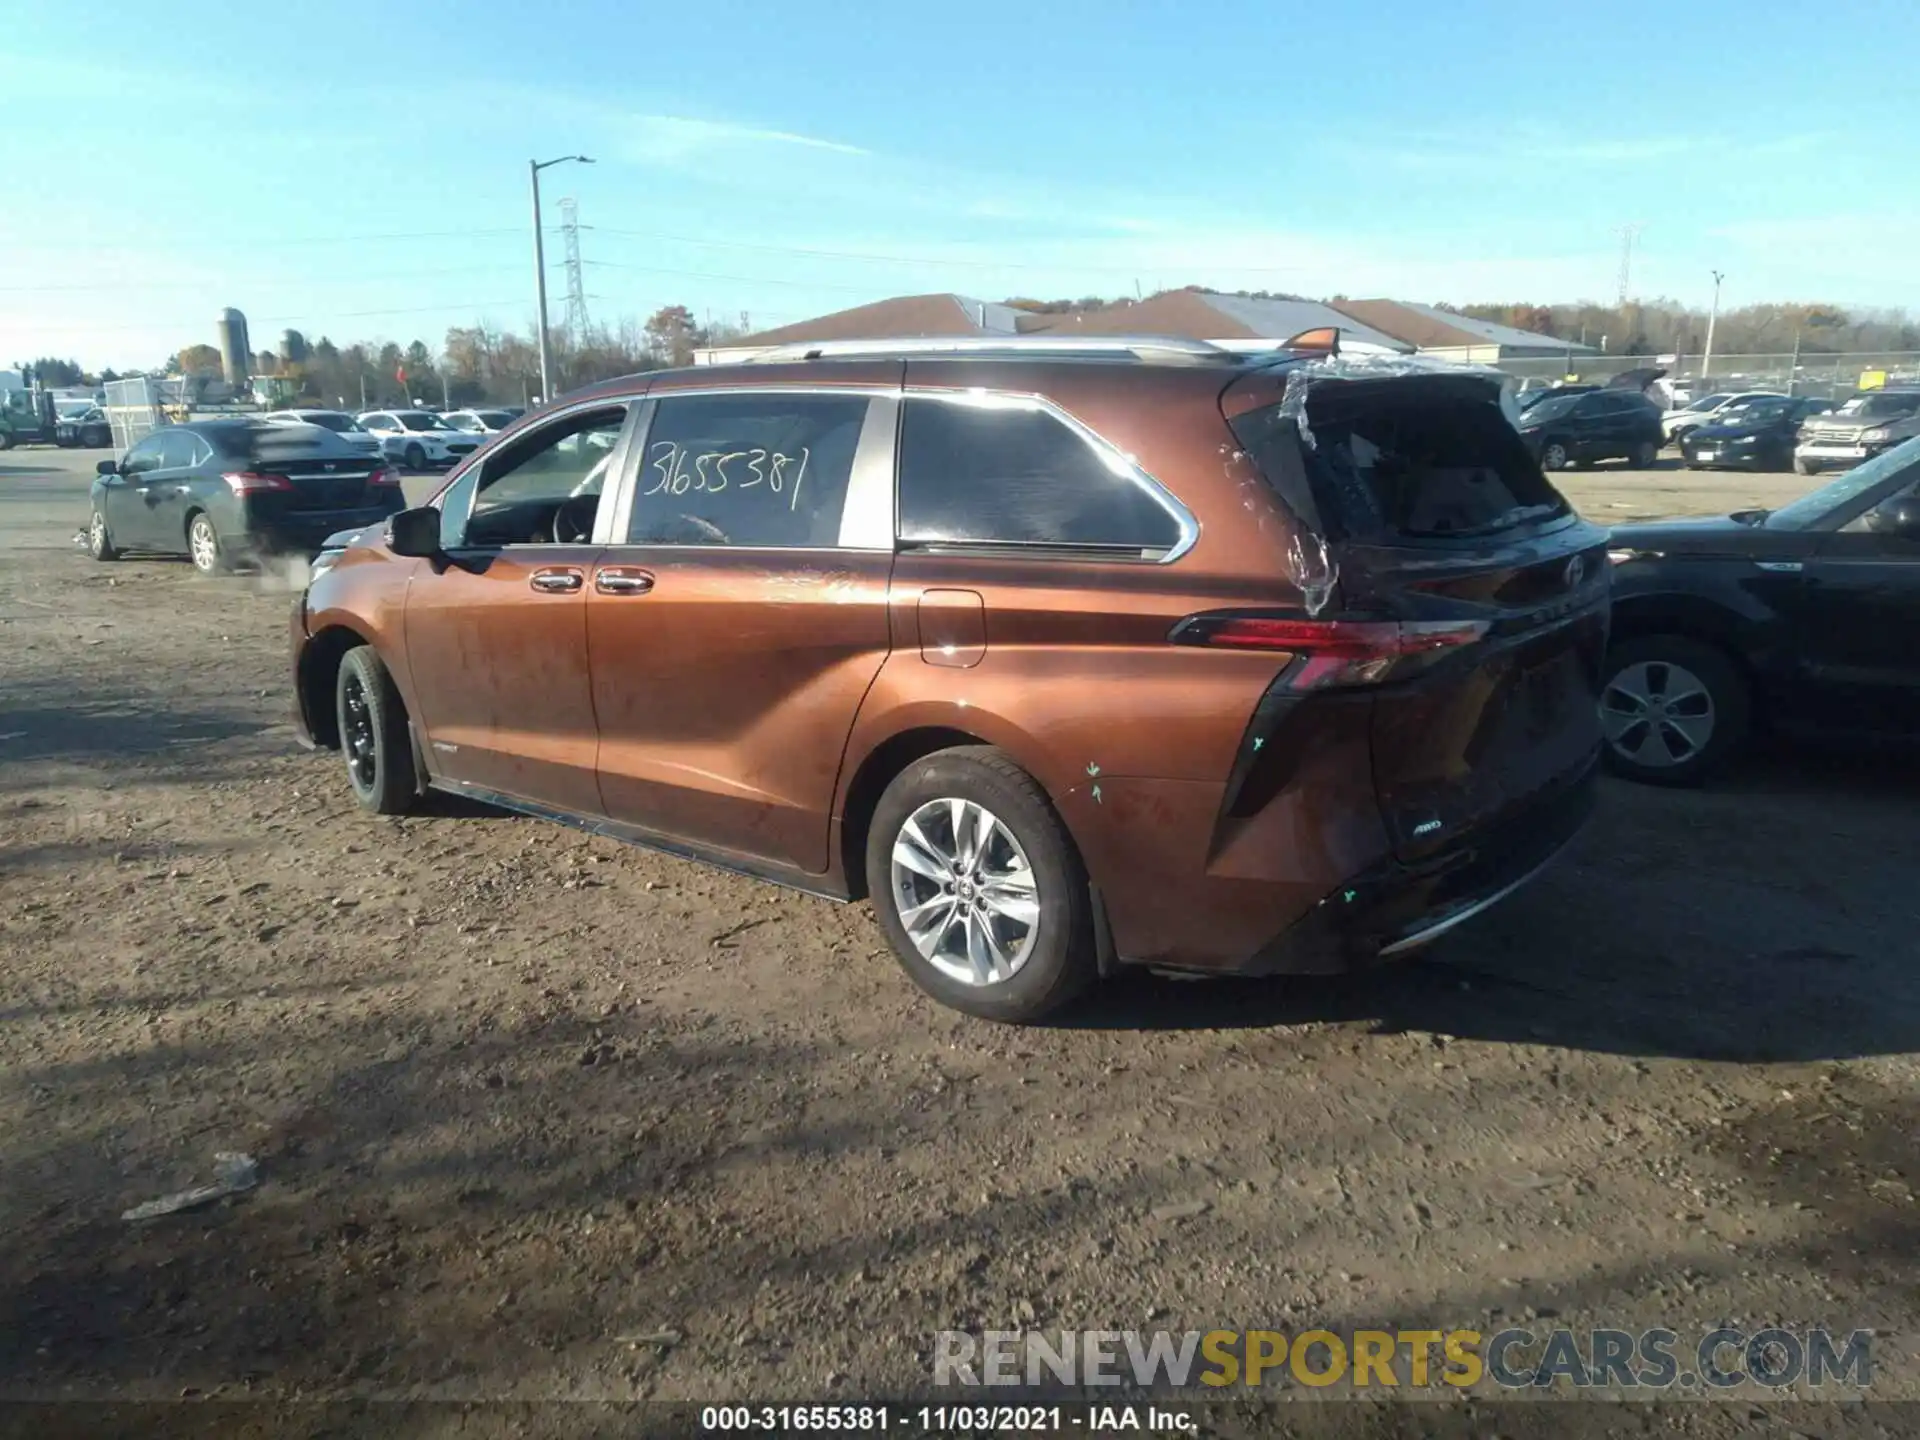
{"x":1793,"y":366}
{"x":534,"y":167}
{"x":576,"y":279}
{"x":1713,"y":313}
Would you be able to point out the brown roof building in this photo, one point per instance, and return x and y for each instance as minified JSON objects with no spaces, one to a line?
{"x":1433,"y":331}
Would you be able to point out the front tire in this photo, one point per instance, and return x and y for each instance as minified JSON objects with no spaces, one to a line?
{"x":373,"y":734}
{"x":99,"y":540}
{"x":203,"y":545}
{"x":416,"y":458}
{"x":1806,"y":467}
{"x":979,"y":887}
{"x":1672,"y":710}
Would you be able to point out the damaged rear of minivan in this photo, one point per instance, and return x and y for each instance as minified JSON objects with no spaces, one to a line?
{"x":1454,"y":604}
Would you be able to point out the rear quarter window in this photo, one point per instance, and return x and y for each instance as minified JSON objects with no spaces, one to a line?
{"x":1007,"y":472}
{"x":1391,"y":459}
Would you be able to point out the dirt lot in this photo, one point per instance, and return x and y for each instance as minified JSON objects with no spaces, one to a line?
{"x":519,"y":1096}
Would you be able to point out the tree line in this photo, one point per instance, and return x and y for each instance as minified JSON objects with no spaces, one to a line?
{"x":483,"y":363}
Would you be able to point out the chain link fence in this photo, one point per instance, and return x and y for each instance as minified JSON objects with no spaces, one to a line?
{"x":1825,"y":377}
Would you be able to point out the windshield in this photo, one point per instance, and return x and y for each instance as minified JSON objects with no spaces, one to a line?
{"x":1551,"y":409}
{"x":498,"y":419}
{"x":464,"y":422}
{"x":1880,"y":402}
{"x":1809,"y":510}
{"x":1757,"y":412}
{"x":421,"y":420}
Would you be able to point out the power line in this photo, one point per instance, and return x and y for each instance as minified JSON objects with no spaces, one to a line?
{"x":934,"y":261}
{"x":732,"y":279}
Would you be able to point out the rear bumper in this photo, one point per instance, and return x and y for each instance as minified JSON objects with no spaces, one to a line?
{"x":1394,"y":909}
{"x":302,"y":534}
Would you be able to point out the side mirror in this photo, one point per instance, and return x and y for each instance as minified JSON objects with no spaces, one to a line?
{"x":107,"y":467}
{"x":415,"y":533}
{"x":1899,"y":517}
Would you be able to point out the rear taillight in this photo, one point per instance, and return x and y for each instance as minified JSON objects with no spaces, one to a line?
{"x":1331,"y":652}
{"x":248,"y":482}
{"x":384,"y":477}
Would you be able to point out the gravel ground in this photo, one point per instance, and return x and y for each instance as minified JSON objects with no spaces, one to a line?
{"x":539,"y":1117}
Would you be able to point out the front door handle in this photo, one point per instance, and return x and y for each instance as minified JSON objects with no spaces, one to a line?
{"x":622,"y":580}
{"x":560,"y":581}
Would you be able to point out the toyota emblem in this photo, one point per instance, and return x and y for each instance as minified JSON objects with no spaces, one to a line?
{"x":1576,"y":571}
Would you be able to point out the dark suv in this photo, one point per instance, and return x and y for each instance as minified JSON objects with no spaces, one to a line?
{"x":1068,"y":654}
{"x":1568,"y":430}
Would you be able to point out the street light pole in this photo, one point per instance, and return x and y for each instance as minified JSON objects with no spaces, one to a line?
{"x":534,"y":167}
{"x":1713,"y":313}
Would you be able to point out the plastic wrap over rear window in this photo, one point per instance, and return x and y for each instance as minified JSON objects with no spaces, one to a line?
{"x":1414,"y":456}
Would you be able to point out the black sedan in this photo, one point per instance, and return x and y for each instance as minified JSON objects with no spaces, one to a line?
{"x":1760,"y":437}
{"x":1805,"y":620}
{"x":223,"y":491}
{"x":1596,"y":425}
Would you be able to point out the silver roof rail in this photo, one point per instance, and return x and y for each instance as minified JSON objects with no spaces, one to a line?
{"x":1140,"y":346}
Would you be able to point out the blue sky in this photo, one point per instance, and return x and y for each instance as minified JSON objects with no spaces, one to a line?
{"x":359,"y":170}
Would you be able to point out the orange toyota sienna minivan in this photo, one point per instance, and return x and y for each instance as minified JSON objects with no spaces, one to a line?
{"x":1068,"y":655}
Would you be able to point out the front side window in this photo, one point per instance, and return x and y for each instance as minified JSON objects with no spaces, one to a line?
{"x":747,"y":470}
{"x":143,"y":456}
{"x":1001,"y":471}
{"x":546,"y":489}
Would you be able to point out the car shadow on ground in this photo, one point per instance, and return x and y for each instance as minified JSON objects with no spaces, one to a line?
{"x":1726,"y":925}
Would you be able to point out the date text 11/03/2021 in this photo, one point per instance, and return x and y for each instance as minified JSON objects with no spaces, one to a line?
{"x":1083,"y":1417}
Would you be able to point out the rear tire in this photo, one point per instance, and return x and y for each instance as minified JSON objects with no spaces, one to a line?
{"x":1645,"y":455}
{"x":374,"y":739}
{"x":203,"y":545}
{"x":1672,"y":710}
{"x":1004,"y":923}
{"x":1553,"y":456}
{"x":1806,"y":467}
{"x":99,"y":541}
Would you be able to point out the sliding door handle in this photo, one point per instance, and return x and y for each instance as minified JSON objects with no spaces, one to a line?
{"x":622,"y":580}
{"x":557,"y":581}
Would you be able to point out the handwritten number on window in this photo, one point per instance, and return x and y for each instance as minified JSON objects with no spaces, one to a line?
{"x":676,"y":471}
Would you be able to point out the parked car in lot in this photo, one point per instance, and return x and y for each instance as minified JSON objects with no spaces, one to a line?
{"x":1805,"y":619}
{"x":1721,"y":406}
{"x":338,"y":421}
{"x":1867,"y":424}
{"x":418,"y":439}
{"x":1758,"y":436}
{"x":988,"y":632}
{"x":482,"y":422}
{"x":224,"y":491}
{"x":1596,"y":425}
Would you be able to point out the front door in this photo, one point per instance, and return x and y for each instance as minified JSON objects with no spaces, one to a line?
{"x":123,"y":497}
{"x":739,"y":619}
{"x":1860,"y":643}
{"x":169,"y":490}
{"x":497,"y":627}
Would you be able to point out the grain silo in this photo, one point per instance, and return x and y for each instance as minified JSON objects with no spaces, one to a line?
{"x":293,"y":347}
{"x":236,"y":355}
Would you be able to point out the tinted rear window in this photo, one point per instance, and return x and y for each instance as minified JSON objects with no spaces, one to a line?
{"x":993,"y":472}
{"x":283,"y":442}
{"x":1397,"y":460}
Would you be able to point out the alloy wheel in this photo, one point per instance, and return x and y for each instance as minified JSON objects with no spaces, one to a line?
{"x":965,"y":891}
{"x":1657,"y":714}
{"x":1554,"y":457}
{"x":203,"y":544}
{"x":361,"y":749}
{"x":97,"y":534}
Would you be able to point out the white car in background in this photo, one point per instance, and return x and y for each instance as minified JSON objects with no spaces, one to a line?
{"x":1710,"y":410}
{"x":488,"y":420}
{"x":419,"y":439}
{"x":338,"y":421}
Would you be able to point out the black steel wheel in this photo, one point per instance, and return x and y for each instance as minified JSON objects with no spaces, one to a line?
{"x":374,"y":739}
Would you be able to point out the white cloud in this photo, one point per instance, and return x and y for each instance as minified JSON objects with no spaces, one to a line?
{"x":671,"y":139}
